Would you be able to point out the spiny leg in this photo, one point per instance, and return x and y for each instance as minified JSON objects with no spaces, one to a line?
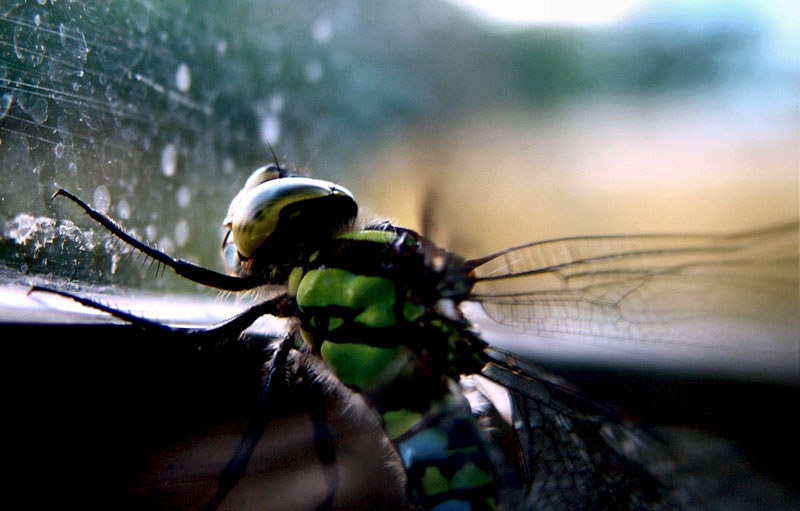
{"x":183,"y":268}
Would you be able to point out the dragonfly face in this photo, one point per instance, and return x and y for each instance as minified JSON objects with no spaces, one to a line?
{"x":276,"y":217}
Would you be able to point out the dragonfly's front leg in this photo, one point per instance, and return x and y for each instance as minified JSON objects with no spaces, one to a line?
{"x":183,"y":268}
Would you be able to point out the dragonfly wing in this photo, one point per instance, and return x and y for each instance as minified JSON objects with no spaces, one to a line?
{"x":580,"y":457}
{"x":721,"y":300}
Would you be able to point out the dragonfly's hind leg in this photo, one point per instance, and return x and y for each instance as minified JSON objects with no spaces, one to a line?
{"x":276,"y":382}
{"x":323,"y":441}
{"x":323,"y":438}
{"x":279,"y":377}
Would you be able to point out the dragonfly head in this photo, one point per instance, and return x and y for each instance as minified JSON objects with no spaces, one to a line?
{"x":275,"y":217}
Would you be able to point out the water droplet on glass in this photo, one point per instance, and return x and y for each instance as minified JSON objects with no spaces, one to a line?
{"x":41,"y":2}
{"x":181,"y":232}
{"x":150,"y":232}
{"x":270,"y":129}
{"x":276,"y":102}
{"x":37,"y":20}
{"x":227,"y":165}
{"x":169,"y":160}
{"x":165,"y":244}
{"x":183,"y":77}
{"x":322,"y":30}
{"x":74,"y":42}
{"x":183,"y":196}
{"x":313,"y":71}
{"x":29,"y":45}
{"x":101,"y":199}
{"x":5,"y":104}
{"x":123,"y":209}
{"x":72,"y":168}
{"x":34,"y":106}
{"x":222,"y":47}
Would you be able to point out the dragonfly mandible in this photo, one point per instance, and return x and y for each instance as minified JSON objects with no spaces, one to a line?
{"x":397,"y":320}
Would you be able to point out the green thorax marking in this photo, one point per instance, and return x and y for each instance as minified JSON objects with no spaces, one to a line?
{"x":373,"y":298}
{"x":367,"y":368}
{"x":380,"y":288}
{"x":369,"y":235}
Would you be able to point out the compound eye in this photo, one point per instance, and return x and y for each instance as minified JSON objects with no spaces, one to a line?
{"x":230,"y":255}
{"x":257,"y":213}
{"x":259,"y":176}
{"x":264,"y":174}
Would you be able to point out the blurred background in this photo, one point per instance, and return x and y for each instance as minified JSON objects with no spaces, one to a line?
{"x":513,"y":121}
{"x":497,"y":122}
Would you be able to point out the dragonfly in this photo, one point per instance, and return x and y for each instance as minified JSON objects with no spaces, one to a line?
{"x":381,"y":312}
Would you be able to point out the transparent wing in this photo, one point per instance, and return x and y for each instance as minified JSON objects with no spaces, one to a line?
{"x":733,"y":295}
{"x":578,"y":455}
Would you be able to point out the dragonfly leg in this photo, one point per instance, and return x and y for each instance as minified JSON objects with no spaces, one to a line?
{"x":183,"y":268}
{"x":323,"y":439}
{"x":278,"y":306}
{"x":274,"y":384}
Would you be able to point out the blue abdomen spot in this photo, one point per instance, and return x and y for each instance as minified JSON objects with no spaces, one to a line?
{"x":430,"y":444}
{"x":453,"y":505}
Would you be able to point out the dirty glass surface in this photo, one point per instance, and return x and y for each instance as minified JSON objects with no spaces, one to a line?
{"x":156,"y":112}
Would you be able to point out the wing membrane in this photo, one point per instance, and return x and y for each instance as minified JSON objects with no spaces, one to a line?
{"x":577,"y":455}
{"x":723,"y":291}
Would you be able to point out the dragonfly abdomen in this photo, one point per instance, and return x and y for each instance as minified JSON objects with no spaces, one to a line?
{"x":444,"y":454}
